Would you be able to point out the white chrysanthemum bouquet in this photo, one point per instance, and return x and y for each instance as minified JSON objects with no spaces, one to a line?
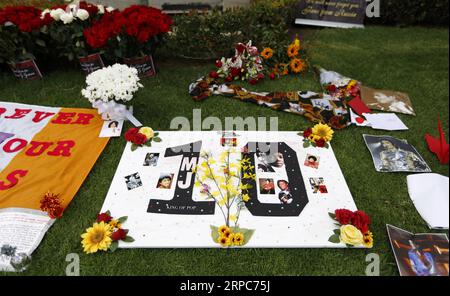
{"x":109,"y":86}
{"x":113,"y":83}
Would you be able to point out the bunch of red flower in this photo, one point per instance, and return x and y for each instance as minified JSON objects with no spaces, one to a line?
{"x":51,"y":204}
{"x":359,"y":219}
{"x":119,"y":233}
{"x":144,"y":22}
{"x":91,"y":8}
{"x":134,"y":136}
{"x":26,"y":18}
{"x":140,"y":22}
{"x":101,"y":31}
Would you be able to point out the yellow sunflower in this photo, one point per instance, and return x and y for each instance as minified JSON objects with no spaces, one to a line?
{"x":322,"y":131}
{"x":297,"y":65}
{"x":97,"y":237}
{"x":223,"y":229}
{"x":224,"y":241}
{"x":292,"y":50}
{"x":368,"y":239}
{"x":238,"y":239}
{"x":267,"y":53}
{"x":115,"y":224}
{"x":284,"y":69}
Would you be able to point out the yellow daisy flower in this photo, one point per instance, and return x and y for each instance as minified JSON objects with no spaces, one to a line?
{"x":238,"y":239}
{"x":222,"y":229}
{"x":97,"y":237}
{"x":267,"y":53}
{"x":368,"y":239}
{"x":322,"y":131}
{"x":292,"y":51}
{"x":245,"y":197}
{"x":115,"y":224}
{"x":224,"y":241}
{"x":297,"y":65}
{"x":233,"y":218}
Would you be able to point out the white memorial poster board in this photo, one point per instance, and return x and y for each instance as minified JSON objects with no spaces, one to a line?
{"x":288,"y":199}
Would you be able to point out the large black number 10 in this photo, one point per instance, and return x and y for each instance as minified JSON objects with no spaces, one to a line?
{"x":182,"y":202}
{"x":296,"y":185}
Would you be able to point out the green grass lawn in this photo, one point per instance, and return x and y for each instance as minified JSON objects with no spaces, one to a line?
{"x":412,"y":60}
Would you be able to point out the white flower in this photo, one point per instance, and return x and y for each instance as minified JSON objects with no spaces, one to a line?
{"x":66,"y":18}
{"x":56,"y":13}
{"x":82,"y":14}
{"x":101,"y":9}
{"x":109,"y":9}
{"x":113,"y":83}
{"x":44,"y":13}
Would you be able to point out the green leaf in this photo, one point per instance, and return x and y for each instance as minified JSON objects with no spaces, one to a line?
{"x":214,"y":233}
{"x":332,"y":215}
{"x":156,"y":134}
{"x":306,"y":144}
{"x":40,"y":42}
{"x":337,"y":231}
{"x":335,"y":239}
{"x":148,"y":143}
{"x":108,"y":213}
{"x":134,"y":147}
{"x":157,"y":139}
{"x":128,"y":239}
{"x":123,"y":219}
{"x":113,"y":247}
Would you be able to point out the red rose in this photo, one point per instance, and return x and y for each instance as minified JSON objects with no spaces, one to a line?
{"x":307,"y":133}
{"x":261,"y":76}
{"x":320,"y":143}
{"x":214,"y":75}
{"x":331,"y":88}
{"x":103,"y":217}
{"x":229,"y":78}
{"x":272,"y":76}
{"x":235,"y":72}
{"x":219,"y":64}
{"x":55,"y":212}
{"x":361,"y":221}
{"x":139,"y":139}
{"x":129,"y":135}
{"x":253,"y":81}
{"x":119,"y":234}
{"x":240,"y":47}
{"x":343,"y":216}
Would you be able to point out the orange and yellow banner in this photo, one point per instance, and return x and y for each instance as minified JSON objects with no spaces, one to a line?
{"x":44,"y":149}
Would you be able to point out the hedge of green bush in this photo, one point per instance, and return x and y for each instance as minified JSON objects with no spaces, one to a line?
{"x":412,"y":12}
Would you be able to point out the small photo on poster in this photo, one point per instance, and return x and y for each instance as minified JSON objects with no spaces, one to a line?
{"x":133,"y":181}
{"x":394,"y":155}
{"x":269,"y":162}
{"x":165,"y":181}
{"x":324,"y":104}
{"x":228,"y":142}
{"x":419,"y":254}
{"x":266,"y":186}
{"x":312,"y":161}
{"x":151,"y":159}
{"x":111,"y":128}
{"x":284,"y":195}
{"x":318,"y":185}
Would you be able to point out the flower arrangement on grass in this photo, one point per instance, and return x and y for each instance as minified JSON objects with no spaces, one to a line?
{"x":69,"y":23}
{"x":109,"y":86}
{"x":133,"y":32}
{"x":318,"y":136}
{"x":284,"y":63}
{"x":140,"y":137}
{"x":353,"y":228}
{"x":114,"y":83}
{"x":222,"y":181}
{"x":52,"y":204}
{"x":105,"y":234}
{"x":20,"y":33}
{"x":245,"y":65}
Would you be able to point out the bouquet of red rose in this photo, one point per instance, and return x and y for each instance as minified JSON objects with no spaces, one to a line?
{"x":143,"y":136}
{"x":20,"y":33}
{"x":134,"y":32}
{"x":354,"y":228}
